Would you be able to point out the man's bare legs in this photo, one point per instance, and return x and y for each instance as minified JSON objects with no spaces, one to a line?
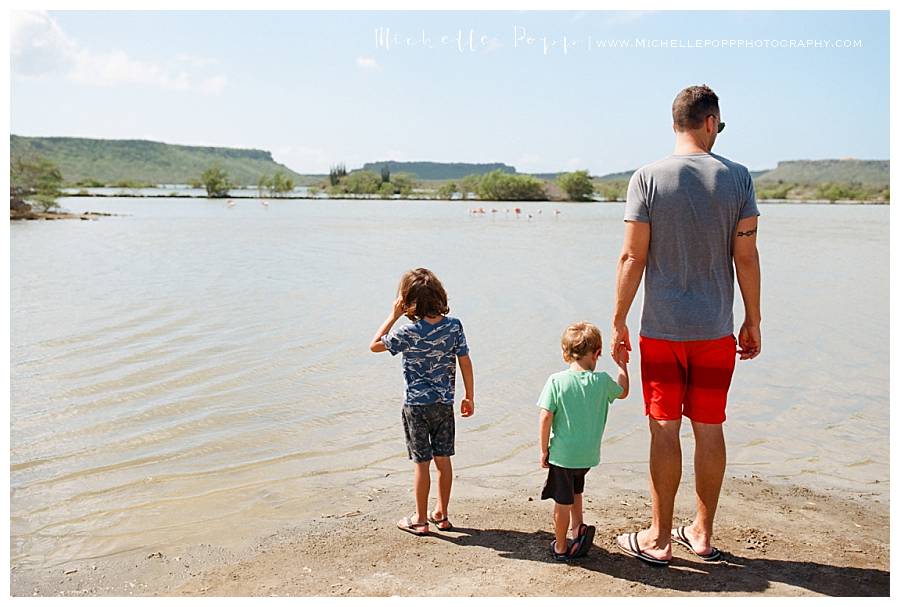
{"x":665,"y":476}
{"x":709,"y":470}
{"x":445,"y":483}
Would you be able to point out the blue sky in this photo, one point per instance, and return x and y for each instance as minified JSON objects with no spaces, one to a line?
{"x":315,"y":89}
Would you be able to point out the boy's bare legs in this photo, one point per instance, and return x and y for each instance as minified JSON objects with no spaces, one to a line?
{"x":422,"y":487}
{"x":561,"y":516}
{"x":709,"y":470}
{"x":445,"y":483}
{"x":665,"y":476}
{"x":577,"y":515}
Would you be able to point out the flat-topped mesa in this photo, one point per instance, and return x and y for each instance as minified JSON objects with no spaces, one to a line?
{"x":111,"y":161}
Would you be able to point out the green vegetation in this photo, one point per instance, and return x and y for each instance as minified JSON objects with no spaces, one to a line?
{"x":438,"y":170}
{"x":831,"y":191}
{"x":469,"y":186}
{"x":336,"y":172}
{"x":498,"y":185}
{"x":577,"y":185}
{"x":447,"y":190}
{"x":216,"y":182}
{"x":35,"y":179}
{"x":278,"y":184}
{"x":368,"y":183}
{"x":611,"y":190}
{"x":89,"y":162}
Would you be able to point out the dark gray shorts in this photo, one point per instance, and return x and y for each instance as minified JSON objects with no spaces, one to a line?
{"x":430,"y":431}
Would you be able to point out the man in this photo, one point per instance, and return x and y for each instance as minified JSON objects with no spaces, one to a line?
{"x":691,"y":221}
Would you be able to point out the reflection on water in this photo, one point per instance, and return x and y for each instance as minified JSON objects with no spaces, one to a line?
{"x":192,"y":367}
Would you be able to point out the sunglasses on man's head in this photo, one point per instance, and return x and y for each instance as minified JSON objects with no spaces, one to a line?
{"x":721,"y":124}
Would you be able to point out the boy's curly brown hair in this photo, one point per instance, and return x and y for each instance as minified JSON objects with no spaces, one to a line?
{"x":423,"y":294}
{"x":580,"y":339}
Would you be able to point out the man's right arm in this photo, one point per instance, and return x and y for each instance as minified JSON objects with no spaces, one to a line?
{"x":746,"y":265}
{"x":629,"y":272}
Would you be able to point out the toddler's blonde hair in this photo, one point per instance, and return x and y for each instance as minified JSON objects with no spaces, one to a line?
{"x":580,"y":339}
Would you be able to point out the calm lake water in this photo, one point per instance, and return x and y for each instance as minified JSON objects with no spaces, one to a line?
{"x":192,"y":370}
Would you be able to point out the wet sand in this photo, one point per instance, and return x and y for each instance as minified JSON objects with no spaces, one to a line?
{"x":777,"y":540}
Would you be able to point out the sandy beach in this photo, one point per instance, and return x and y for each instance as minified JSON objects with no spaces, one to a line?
{"x":778,"y":540}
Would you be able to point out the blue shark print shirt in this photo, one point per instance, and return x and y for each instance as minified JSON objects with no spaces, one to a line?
{"x":429,"y":358}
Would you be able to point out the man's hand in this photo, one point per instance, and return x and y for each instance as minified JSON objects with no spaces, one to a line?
{"x":467,"y":407}
{"x":620,"y":344}
{"x":545,"y":459}
{"x":399,"y":307}
{"x":750,"y":341}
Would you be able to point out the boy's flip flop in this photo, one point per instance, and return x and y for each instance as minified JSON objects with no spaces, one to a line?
{"x":407,"y":525}
{"x":678,"y":535}
{"x":634,"y":550}
{"x":437,"y":523}
{"x":586,"y":537}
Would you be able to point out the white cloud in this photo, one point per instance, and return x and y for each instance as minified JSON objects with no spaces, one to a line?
{"x":367,"y":63}
{"x":39,"y":47}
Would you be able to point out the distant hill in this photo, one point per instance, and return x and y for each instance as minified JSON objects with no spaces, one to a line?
{"x":810,"y":172}
{"x":115,"y":160}
{"x":813,"y":172}
{"x":438,"y":170}
{"x":621,"y":176}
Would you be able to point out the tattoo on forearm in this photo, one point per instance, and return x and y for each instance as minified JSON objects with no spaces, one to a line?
{"x":748,"y":232}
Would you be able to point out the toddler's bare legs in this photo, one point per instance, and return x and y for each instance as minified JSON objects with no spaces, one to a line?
{"x":577,"y":515}
{"x":561,"y":516}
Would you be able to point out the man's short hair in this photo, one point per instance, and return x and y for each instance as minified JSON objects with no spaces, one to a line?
{"x":579,"y":340}
{"x":692,"y":106}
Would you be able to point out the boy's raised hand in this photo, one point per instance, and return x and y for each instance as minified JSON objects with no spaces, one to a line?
{"x":467,"y":407}
{"x":399,"y":307}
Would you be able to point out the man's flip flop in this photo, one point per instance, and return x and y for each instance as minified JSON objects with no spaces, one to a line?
{"x":678,"y":535}
{"x":634,"y":550}
{"x":437,"y":523}
{"x":586,"y":536}
{"x":407,"y":525}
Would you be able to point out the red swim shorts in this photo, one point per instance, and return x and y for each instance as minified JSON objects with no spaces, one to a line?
{"x":689,"y":378}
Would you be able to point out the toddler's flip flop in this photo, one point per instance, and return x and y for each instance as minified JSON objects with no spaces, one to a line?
{"x":561,"y":557}
{"x":679,"y":536}
{"x":586,"y":537}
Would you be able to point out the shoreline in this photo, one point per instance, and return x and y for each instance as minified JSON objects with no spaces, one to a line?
{"x":783,"y":540}
{"x":51,"y":216}
{"x":472,"y":201}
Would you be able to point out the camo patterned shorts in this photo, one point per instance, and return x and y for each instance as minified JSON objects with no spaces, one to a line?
{"x":430,"y":431}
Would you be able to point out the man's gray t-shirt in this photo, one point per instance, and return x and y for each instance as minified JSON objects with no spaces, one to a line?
{"x":693,"y":203}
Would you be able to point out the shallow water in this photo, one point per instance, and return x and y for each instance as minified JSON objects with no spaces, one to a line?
{"x":192,"y":369}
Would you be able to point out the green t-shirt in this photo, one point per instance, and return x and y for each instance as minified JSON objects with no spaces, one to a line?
{"x":579,"y":402}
